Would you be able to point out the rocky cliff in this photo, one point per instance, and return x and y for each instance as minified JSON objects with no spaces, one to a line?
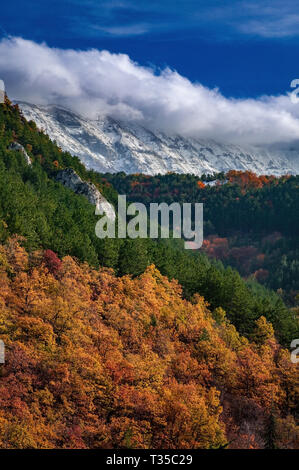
{"x":70,"y":179}
{"x":20,"y":148}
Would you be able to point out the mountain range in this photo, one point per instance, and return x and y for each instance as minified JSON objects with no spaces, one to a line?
{"x":111,"y":145}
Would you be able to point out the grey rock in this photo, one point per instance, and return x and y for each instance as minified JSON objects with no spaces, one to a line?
{"x":71,"y":180}
{"x":20,"y":148}
{"x":2,"y":91}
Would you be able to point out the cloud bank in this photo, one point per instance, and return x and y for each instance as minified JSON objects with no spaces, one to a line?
{"x":96,"y":82}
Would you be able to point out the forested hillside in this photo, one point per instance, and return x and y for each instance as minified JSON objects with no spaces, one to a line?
{"x":251,"y":222}
{"x":99,"y":361}
{"x":50,"y":216}
{"x":127,"y":343}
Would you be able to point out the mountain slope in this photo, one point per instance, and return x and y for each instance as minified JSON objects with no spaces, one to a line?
{"x":34,"y":205}
{"x":108,"y":145}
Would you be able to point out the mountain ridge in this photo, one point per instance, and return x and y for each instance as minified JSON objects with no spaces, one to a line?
{"x":110,"y":145}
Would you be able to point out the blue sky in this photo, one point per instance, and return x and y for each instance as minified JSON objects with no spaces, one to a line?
{"x":212,"y":69}
{"x":246,"y":48}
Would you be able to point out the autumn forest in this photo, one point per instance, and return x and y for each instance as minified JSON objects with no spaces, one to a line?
{"x":124,"y":344}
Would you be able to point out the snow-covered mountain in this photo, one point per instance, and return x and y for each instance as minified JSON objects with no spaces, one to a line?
{"x":109,"y":145}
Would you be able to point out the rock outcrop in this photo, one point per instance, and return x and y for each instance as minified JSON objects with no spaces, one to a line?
{"x":2,"y":91}
{"x":20,"y":148}
{"x":70,"y":179}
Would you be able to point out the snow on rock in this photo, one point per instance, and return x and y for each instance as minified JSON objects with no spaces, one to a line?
{"x":109,"y":145}
{"x":71,"y":180}
{"x":20,"y":148}
{"x":215,"y":182}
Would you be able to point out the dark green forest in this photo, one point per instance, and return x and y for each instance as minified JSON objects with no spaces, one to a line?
{"x":250,"y":222}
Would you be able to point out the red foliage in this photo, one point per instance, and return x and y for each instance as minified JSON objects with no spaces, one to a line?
{"x":216,"y":247}
{"x":52,"y":262}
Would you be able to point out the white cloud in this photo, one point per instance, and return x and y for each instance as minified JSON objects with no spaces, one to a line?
{"x":97,"y":82}
{"x":266,"y":18}
{"x":128,"y":30}
{"x":279,"y":27}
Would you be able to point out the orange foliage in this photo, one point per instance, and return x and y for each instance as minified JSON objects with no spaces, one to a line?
{"x":96,"y":361}
{"x":261,"y":274}
{"x":248,"y":179}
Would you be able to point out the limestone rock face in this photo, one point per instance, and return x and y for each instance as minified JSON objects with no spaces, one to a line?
{"x":70,"y":179}
{"x":20,"y":148}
